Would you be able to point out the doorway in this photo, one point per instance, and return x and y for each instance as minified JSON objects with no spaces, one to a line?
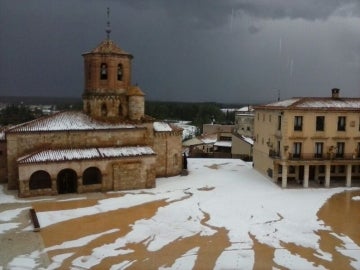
{"x":67,"y":181}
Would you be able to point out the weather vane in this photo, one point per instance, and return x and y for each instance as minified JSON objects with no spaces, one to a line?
{"x":108,"y":29}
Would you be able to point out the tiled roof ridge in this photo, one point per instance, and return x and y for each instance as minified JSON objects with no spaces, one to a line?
{"x":109,"y":46}
{"x":73,"y":154}
{"x":70,"y":121}
{"x":31,"y":122}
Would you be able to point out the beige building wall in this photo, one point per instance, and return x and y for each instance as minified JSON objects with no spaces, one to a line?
{"x":274,"y":147}
{"x":240,"y":148}
{"x":244,"y":124}
{"x":217,"y":128}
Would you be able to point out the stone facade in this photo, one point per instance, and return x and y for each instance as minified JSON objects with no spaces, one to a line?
{"x":111,"y":145}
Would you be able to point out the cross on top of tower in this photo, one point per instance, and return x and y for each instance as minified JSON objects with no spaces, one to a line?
{"x":108,"y":29}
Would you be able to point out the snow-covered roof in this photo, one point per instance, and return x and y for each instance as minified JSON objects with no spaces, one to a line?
{"x":162,"y":126}
{"x":209,"y":138}
{"x":223,"y":143}
{"x":245,"y":109}
{"x":85,"y":154}
{"x":65,"y":121}
{"x":331,"y":103}
{"x":193,"y":141}
{"x":315,"y":103}
{"x":247,"y":139}
{"x":283,"y":103}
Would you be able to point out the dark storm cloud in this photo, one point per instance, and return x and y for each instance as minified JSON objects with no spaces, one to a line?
{"x":191,"y":50}
{"x":212,"y":13}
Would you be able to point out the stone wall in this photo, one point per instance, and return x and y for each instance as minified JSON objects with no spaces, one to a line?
{"x":168,"y":148}
{"x":20,"y":144}
{"x":117,"y":174}
{"x":3,"y":166}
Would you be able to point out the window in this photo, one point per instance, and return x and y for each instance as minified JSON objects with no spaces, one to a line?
{"x":297,"y":150}
{"x":319,"y":146}
{"x":279,"y":122}
{"x":298,"y":123}
{"x":88,"y":107}
{"x":103,"y":72}
{"x":121,"y":110}
{"x":120,"y":72}
{"x":320,"y":123}
{"x":89,"y":71}
{"x":91,"y":175}
{"x":278,"y":147}
{"x":341,"y":123}
{"x":40,"y":180}
{"x":103,"y":110}
{"x":340,"y":149}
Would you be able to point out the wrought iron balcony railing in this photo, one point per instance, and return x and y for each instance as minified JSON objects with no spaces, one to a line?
{"x":314,"y":156}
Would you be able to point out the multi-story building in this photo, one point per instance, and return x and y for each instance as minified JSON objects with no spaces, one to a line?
{"x":309,"y":141}
{"x":244,"y":122}
{"x":243,"y":134}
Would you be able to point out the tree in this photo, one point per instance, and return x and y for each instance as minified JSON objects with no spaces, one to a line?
{"x":13,"y":114}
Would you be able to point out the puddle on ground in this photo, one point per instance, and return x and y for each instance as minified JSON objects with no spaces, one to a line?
{"x":340,"y":213}
{"x":216,"y":166}
{"x":206,"y":188}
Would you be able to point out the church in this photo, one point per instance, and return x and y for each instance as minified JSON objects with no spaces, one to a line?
{"x":110,"y":145}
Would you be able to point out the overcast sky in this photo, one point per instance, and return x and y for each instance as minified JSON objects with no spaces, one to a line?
{"x":235,"y":51}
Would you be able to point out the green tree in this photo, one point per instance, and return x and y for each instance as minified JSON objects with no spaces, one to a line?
{"x":13,"y":114}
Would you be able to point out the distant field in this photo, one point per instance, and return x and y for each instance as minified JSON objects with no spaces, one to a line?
{"x":29,"y":100}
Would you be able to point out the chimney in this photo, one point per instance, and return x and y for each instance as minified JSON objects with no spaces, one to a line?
{"x":335,"y":93}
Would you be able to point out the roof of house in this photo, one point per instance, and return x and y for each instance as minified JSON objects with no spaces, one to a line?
{"x":315,"y":103}
{"x":223,"y":144}
{"x":135,"y":91}
{"x":58,"y":155}
{"x":199,"y":140}
{"x":66,"y":121}
{"x":108,"y":47}
{"x":162,"y":126}
{"x":247,"y":139}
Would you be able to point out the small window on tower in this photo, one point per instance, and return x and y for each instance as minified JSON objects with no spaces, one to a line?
{"x":120,"y":110}
{"x":103,"y":71}
{"x":88,"y":108}
{"x":120,"y":72}
{"x":103,"y":110}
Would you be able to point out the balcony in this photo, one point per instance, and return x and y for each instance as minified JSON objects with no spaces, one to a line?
{"x":274,"y":154}
{"x":324,"y":156}
{"x":314,"y":156}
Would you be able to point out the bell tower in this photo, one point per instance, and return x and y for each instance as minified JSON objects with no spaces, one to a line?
{"x":107,"y":75}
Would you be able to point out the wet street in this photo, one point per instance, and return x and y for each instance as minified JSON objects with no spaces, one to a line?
{"x":340,"y":214}
{"x":224,"y":215}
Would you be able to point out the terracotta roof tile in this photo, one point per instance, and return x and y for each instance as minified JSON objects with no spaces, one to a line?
{"x":58,"y":155}
{"x":66,"y":121}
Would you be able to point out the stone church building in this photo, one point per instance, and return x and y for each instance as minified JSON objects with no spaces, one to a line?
{"x":110,"y":145}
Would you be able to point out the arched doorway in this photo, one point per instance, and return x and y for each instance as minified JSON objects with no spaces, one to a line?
{"x":67,"y":181}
